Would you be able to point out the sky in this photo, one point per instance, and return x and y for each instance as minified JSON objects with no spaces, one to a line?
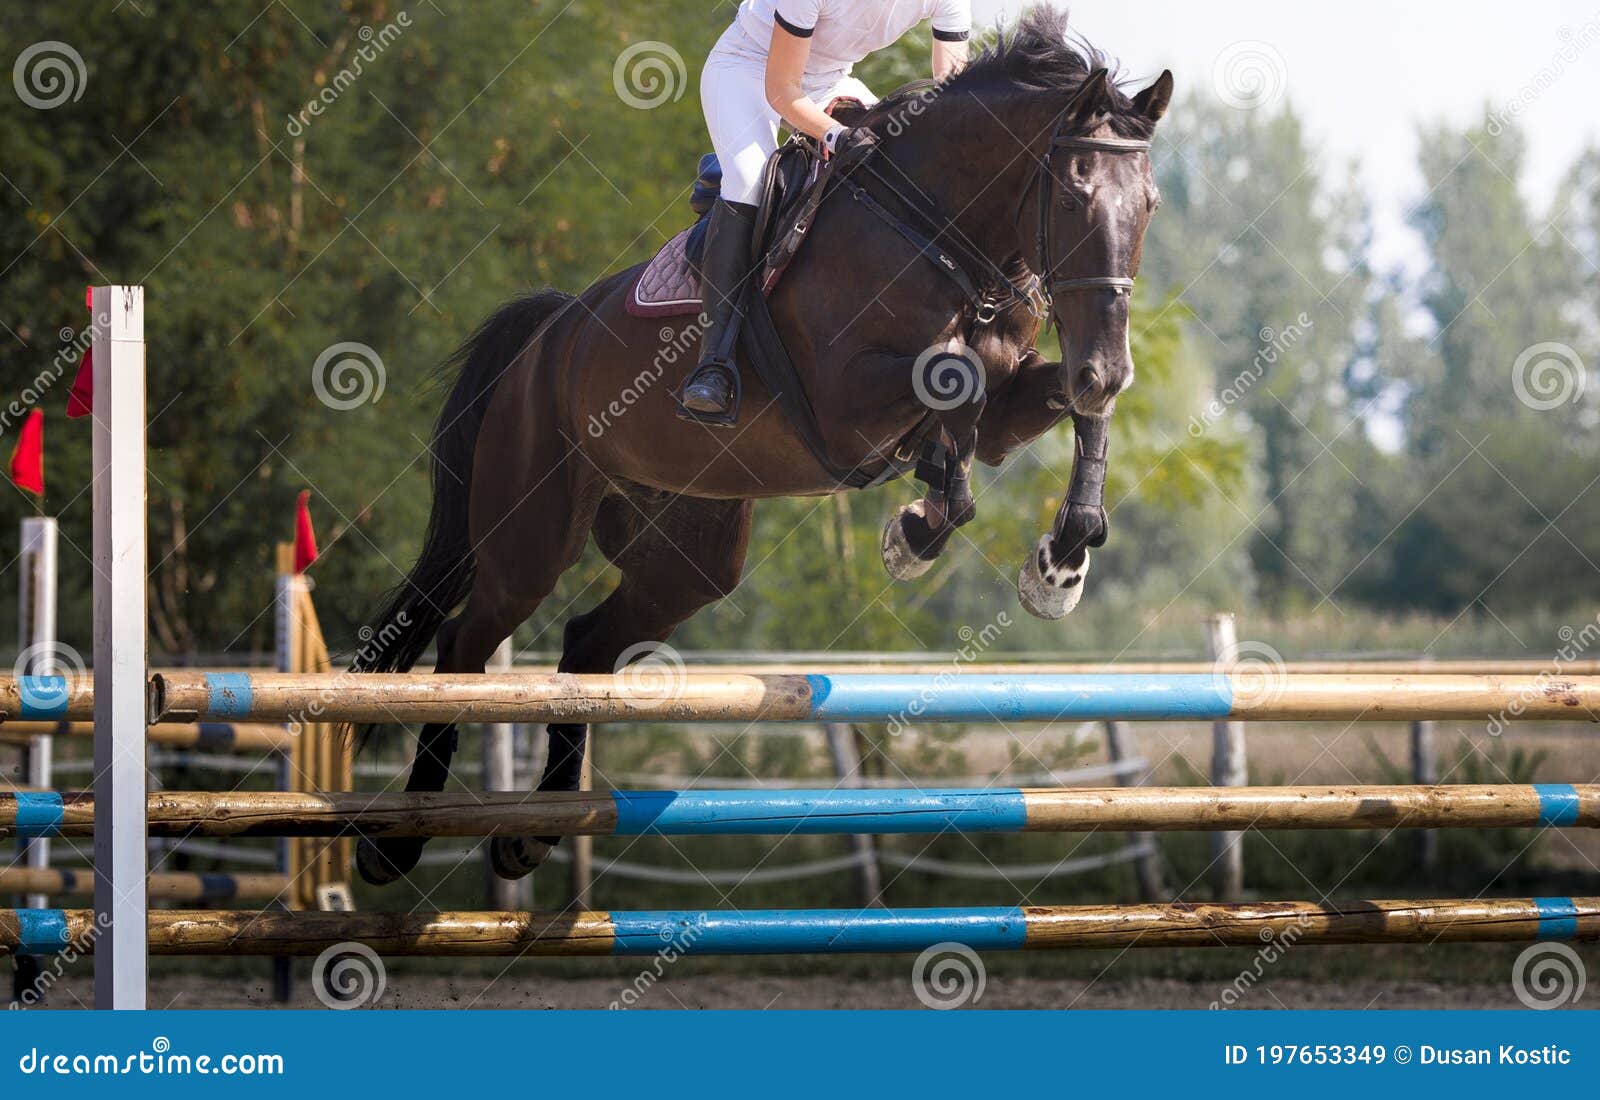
{"x":1365,"y":73}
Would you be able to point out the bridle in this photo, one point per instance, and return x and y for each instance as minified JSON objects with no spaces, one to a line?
{"x":993,"y":291}
{"x":1045,"y":183}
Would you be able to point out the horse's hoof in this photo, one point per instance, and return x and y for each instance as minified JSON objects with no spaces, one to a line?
{"x":380,"y":866}
{"x":1048,"y":590}
{"x":898,"y":558}
{"x":514,"y":857}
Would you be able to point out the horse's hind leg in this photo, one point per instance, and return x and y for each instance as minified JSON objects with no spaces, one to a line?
{"x":677,"y":554}
{"x":465,"y":645}
{"x":531,"y":539}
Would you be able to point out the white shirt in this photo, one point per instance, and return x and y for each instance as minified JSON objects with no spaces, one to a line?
{"x":843,"y":32}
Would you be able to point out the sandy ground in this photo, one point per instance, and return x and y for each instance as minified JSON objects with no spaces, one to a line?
{"x":708,"y":992}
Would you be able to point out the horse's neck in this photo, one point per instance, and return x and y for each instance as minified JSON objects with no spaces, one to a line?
{"x":956,"y":160}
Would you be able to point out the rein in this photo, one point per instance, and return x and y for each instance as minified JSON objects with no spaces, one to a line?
{"x":954,"y":258}
{"x":958,"y":261}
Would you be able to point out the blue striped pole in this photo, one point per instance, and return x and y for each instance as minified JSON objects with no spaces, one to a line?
{"x":826,"y":931}
{"x":960,"y":696}
{"x":765,"y":812}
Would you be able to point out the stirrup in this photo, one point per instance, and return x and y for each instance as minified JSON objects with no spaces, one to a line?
{"x":727,"y":419}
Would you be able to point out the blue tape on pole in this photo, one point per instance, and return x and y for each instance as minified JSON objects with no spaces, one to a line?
{"x":230,"y":693}
{"x":43,"y":697}
{"x":778,"y":812}
{"x":43,"y":931}
{"x":38,"y":814}
{"x":218,"y":887}
{"x":1558,"y":803}
{"x":787,"y":931}
{"x":972,"y":696}
{"x":217,"y":736}
{"x":1558,"y":918}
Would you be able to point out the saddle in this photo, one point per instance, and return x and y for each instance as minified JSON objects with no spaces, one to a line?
{"x":792,"y":187}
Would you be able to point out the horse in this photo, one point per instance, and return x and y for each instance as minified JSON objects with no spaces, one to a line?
{"x":560,"y":425}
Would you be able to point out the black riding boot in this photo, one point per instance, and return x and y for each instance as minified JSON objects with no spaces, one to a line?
{"x":710,"y":394}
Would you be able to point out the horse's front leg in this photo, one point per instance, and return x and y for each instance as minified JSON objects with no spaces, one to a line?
{"x":1050,"y":583}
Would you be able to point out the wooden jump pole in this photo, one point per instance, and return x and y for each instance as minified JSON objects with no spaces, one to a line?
{"x":830,"y":931}
{"x":831,"y":664}
{"x":825,"y":811}
{"x":175,"y":886}
{"x":860,"y":697}
{"x":214,"y":736}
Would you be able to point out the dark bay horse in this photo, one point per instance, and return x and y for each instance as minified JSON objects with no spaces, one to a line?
{"x":561,"y":425}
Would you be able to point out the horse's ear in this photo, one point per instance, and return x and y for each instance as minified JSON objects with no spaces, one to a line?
{"x":1092,"y":96}
{"x":1152,"y":103}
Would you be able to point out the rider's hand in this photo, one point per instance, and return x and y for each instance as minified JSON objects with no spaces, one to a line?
{"x":842,"y":139}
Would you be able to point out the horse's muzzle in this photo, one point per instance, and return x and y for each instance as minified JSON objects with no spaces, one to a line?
{"x":1093,"y":390}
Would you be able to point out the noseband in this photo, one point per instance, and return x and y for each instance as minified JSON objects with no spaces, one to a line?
{"x":1122,"y":284}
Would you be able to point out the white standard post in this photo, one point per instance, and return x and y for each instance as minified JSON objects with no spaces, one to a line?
{"x":120,"y":663}
{"x":500,"y":774}
{"x":1229,"y":766}
{"x":36,"y":603}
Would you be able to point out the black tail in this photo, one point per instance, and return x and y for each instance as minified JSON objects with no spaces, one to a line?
{"x":415,"y":609}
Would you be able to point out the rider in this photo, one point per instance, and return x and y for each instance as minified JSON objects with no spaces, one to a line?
{"x":777,"y":61}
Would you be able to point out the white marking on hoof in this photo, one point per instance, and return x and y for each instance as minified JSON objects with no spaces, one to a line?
{"x":1054,"y":590}
{"x":898,"y":557}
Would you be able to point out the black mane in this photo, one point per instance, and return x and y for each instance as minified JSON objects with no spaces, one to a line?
{"x":1036,"y":54}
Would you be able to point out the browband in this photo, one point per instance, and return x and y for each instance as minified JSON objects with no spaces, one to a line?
{"x":1102,"y":144}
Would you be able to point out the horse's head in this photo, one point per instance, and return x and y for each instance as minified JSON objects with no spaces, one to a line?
{"x":1094,"y":195}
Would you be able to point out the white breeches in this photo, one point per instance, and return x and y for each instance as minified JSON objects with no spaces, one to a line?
{"x":744,"y":129}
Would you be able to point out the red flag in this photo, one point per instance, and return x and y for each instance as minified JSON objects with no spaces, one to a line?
{"x":81,"y":401}
{"x":27,"y":460}
{"x":305,"y":539}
